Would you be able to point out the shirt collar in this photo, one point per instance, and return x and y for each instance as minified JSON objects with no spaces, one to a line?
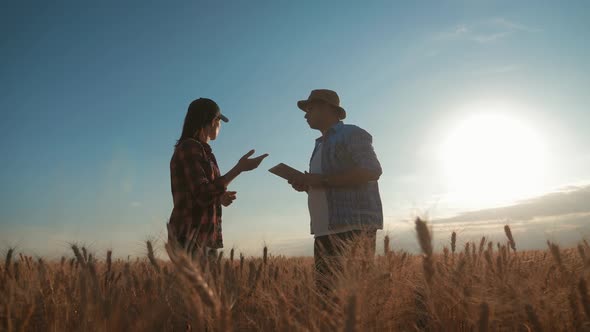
{"x":334,"y":129}
{"x":205,"y":145}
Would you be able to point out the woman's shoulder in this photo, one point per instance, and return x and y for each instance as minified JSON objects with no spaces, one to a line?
{"x":189,"y":145}
{"x":187,"y":142}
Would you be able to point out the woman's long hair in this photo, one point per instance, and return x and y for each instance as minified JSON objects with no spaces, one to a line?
{"x":200,"y":113}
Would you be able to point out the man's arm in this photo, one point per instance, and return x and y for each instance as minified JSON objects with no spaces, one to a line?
{"x":368,"y":168}
{"x":360,"y":146}
{"x":352,"y":177}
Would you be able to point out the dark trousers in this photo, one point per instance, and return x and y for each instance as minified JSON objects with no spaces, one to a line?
{"x":330,"y":251}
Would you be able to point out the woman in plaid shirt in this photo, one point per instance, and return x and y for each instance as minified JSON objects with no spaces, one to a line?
{"x":198,"y":188}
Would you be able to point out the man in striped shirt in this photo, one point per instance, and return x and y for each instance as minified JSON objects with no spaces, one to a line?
{"x":343,"y":194}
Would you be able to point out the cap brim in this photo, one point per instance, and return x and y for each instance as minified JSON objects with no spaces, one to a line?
{"x":223,"y":118}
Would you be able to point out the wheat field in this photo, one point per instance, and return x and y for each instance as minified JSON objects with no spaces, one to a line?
{"x":481,"y":286}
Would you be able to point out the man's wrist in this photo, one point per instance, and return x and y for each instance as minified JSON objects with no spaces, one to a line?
{"x":325,"y":181}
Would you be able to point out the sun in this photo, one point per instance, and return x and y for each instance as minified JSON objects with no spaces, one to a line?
{"x":492,"y":158}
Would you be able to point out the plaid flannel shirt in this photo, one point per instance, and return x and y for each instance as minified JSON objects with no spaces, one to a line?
{"x":346,"y":147}
{"x":196,"y":190}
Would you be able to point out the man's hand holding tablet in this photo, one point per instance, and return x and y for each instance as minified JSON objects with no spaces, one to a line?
{"x":299,"y":181}
{"x":286,"y":172}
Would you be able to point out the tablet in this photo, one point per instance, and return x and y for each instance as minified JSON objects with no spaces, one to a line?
{"x":285,"y":171}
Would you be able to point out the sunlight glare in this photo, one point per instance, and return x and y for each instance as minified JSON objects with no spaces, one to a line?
{"x":492,"y":158}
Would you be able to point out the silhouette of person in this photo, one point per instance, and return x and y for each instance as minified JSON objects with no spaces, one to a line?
{"x":343,"y":194}
{"x":198,"y":188}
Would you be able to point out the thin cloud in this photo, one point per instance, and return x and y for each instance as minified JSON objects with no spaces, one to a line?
{"x":484,"y":39}
{"x":483,"y":32}
{"x":573,"y":200}
{"x":497,"y":70}
{"x":502,"y":22}
{"x":456,"y":33}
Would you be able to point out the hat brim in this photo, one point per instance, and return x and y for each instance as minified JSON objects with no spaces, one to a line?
{"x":223,"y":118}
{"x":302,"y":104}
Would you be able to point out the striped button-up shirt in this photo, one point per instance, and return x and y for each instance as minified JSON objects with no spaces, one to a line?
{"x":346,"y":147}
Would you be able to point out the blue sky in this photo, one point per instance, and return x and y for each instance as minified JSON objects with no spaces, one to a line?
{"x":93,"y":98}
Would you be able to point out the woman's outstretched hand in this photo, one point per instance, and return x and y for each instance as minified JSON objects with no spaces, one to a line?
{"x":244,"y":164}
{"x":247,"y":164}
{"x":227,"y":198}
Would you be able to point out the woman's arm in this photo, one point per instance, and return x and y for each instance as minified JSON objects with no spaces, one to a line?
{"x":245,"y":164}
{"x":190,"y":155}
{"x":205,"y":191}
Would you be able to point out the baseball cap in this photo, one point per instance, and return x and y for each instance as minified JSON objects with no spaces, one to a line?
{"x":206,"y":104}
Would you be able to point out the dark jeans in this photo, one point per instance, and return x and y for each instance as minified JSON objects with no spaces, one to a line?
{"x":329,"y":253}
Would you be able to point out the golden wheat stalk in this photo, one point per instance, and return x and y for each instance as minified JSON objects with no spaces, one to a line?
{"x":8,"y":261}
{"x":187,"y":269}
{"x":152,"y":257}
{"x":351,"y":314}
{"x":109,"y":260}
{"x":482,"y":244}
{"x":576,"y":316}
{"x":426,"y":245}
{"x":508,"y":232}
{"x":265,"y":255}
{"x":556,"y":253}
{"x":484,"y":317}
{"x":583,"y":290}
{"x":79,"y":258}
{"x":533,"y":318}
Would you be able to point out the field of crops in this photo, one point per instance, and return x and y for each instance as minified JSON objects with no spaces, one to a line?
{"x":481,"y":286}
